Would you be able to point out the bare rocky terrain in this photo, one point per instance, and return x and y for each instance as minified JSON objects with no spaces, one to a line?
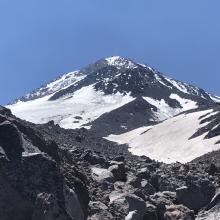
{"x":51,"y":173}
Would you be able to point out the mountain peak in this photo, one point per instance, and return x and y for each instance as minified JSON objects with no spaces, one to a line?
{"x":117,"y":62}
{"x":120,"y":62}
{"x":113,"y":87}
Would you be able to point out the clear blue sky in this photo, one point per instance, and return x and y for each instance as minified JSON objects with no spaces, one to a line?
{"x":41,"y":39}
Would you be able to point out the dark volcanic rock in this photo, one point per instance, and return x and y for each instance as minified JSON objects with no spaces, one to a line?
{"x":151,"y":212}
{"x":11,"y":140}
{"x":160,"y":201}
{"x":148,"y":189}
{"x":196,"y":196}
{"x":212,"y":169}
{"x":118,"y":170}
{"x":32,"y":185}
{"x":128,"y":117}
{"x":5,"y":111}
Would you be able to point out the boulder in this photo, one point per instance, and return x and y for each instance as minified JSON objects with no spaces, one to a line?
{"x":133,"y":180}
{"x":101,"y":175}
{"x":154,"y":181}
{"x":126,"y":203}
{"x":96,"y":207}
{"x":11,"y":140}
{"x":166,"y":183}
{"x":160,"y":200}
{"x":72,"y":204}
{"x":147,"y":188}
{"x":196,"y":196}
{"x":151,"y":212}
{"x":35,"y":187}
{"x":176,"y":212}
{"x":119,"y":172}
{"x":98,"y":211}
{"x":143,"y":173}
{"x":136,"y":203}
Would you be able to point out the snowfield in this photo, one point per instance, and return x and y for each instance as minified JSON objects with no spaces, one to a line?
{"x":164,"y":111}
{"x":128,"y":136}
{"x":170,"y":141}
{"x":71,"y":111}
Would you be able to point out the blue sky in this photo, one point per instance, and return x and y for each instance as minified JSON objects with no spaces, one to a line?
{"x":41,"y":39}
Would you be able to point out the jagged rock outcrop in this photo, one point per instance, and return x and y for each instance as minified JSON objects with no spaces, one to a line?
{"x":33,"y":186}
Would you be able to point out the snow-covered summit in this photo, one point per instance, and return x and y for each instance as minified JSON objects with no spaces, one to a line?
{"x":120,"y":62}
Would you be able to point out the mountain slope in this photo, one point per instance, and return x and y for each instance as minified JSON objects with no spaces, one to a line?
{"x":93,"y":96}
{"x":48,"y":172}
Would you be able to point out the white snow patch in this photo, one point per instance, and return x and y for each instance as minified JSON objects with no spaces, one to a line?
{"x":215,"y":98}
{"x":159,"y":79}
{"x":169,"y":141}
{"x":130,"y":215}
{"x":100,"y":171}
{"x":179,"y":85}
{"x":164,"y":111}
{"x":215,"y":127}
{"x":65,"y":80}
{"x":185,"y":103}
{"x":72,"y":111}
{"x":62,"y":82}
{"x":119,"y":62}
{"x":112,"y":60}
{"x":27,"y":154}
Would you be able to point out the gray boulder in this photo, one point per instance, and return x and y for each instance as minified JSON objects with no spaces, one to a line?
{"x":161,"y":200}
{"x":119,"y":172}
{"x":127,"y":203}
{"x":101,"y":175}
{"x":11,"y":140}
{"x":99,"y":211}
{"x":151,"y":212}
{"x":177,"y":212}
{"x":196,"y":196}
{"x":72,"y":204}
{"x":147,"y":188}
{"x":143,"y":173}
